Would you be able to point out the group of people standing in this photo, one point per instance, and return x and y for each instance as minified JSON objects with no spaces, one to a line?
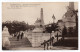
{"x":19,"y":35}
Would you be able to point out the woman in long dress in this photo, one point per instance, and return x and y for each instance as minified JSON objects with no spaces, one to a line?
{"x":5,"y":38}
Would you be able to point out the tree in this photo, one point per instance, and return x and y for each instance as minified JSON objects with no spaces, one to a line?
{"x":64,"y":32}
{"x":15,"y":26}
{"x":51,"y":28}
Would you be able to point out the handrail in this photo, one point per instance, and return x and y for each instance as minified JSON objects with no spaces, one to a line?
{"x":48,"y":43}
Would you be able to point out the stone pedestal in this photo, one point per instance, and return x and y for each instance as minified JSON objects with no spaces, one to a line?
{"x":38,"y":38}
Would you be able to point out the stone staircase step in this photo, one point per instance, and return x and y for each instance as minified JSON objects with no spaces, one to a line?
{"x":21,"y":43}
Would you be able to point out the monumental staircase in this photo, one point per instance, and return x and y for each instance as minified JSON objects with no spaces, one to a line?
{"x":21,"y":43}
{"x":70,"y":42}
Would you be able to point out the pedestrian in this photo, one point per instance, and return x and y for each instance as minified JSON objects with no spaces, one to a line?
{"x":18,"y":35}
{"x":14,"y":34}
{"x":22,"y":35}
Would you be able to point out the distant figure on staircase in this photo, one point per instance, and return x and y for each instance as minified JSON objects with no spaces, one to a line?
{"x":15,"y":34}
{"x":18,"y":35}
{"x":5,"y":38}
{"x":22,"y":35}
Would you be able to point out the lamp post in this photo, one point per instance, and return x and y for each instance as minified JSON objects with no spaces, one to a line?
{"x":50,"y":31}
{"x":50,"y":35}
{"x":57,"y":33}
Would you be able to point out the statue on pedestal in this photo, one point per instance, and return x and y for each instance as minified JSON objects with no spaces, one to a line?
{"x":5,"y":37}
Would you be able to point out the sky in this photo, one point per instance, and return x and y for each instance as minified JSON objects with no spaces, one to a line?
{"x":30,"y":11}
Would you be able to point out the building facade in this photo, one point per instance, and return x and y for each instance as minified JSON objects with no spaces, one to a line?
{"x":69,"y":19}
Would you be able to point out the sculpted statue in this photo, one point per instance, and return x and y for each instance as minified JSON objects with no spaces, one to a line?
{"x":5,"y":37}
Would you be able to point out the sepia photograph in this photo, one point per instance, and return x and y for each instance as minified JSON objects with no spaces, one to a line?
{"x":40,"y":26}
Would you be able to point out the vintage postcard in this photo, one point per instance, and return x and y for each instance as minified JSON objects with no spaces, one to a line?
{"x":39,"y":25}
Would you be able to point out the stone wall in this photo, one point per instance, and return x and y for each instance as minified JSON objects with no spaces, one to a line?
{"x":37,"y":38}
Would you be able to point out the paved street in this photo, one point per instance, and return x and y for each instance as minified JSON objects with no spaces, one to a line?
{"x":53,"y":48}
